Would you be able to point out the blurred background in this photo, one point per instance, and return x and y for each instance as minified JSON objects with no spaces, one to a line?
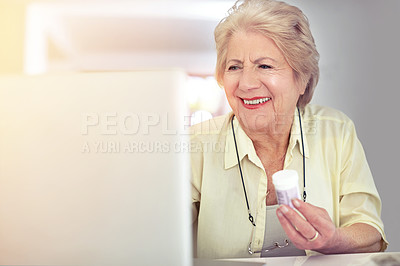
{"x":358,"y":41}
{"x":56,"y":36}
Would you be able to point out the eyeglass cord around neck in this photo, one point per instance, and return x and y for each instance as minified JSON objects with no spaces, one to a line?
{"x":251,"y":218}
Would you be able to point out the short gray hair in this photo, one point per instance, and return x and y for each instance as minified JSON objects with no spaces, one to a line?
{"x":286,"y":25}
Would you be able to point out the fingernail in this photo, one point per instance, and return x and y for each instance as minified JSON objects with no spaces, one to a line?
{"x":296,"y":203}
{"x":279,"y":213}
{"x":283,"y":209}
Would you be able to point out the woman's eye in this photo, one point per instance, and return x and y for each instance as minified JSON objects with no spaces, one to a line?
{"x":265,"y":66}
{"x":233,"y":68}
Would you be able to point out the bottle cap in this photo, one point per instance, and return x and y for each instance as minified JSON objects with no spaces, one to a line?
{"x":285,"y":179}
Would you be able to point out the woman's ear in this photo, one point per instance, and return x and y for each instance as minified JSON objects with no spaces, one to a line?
{"x":302,"y":85}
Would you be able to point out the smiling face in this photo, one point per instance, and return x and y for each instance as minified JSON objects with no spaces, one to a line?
{"x":259,"y":84}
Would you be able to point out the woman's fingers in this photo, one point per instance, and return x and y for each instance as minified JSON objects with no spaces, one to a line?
{"x":294,"y":235}
{"x":313,"y":231}
{"x":298,"y":223}
{"x":294,"y":226}
{"x":317,"y":217}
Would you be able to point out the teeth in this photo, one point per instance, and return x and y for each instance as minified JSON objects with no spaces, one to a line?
{"x":258,"y":101}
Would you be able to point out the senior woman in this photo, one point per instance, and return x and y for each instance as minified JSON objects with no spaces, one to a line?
{"x":267,"y":63}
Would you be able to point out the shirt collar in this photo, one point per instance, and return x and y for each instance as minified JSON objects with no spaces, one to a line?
{"x":245,"y":145}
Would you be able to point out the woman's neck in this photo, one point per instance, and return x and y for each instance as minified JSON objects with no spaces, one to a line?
{"x":271,"y":147}
{"x":272,"y":141}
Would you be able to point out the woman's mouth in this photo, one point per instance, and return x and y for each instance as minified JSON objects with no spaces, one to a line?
{"x":255,"y":102}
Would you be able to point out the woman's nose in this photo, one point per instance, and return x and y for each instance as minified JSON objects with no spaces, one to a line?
{"x":249,"y":79}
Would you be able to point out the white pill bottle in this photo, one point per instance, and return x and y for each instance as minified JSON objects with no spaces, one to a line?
{"x":286,"y":184}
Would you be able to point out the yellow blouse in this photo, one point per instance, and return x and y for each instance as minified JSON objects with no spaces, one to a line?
{"x":338,"y":179}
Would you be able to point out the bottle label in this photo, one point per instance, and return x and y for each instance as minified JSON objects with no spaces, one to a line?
{"x":286,"y":196}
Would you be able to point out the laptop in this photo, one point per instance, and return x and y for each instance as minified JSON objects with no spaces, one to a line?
{"x":94,"y":169}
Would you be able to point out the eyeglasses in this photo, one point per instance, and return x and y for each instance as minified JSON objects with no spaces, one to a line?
{"x":274,"y":246}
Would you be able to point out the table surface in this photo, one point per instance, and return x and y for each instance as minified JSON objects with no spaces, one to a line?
{"x":368,"y":259}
